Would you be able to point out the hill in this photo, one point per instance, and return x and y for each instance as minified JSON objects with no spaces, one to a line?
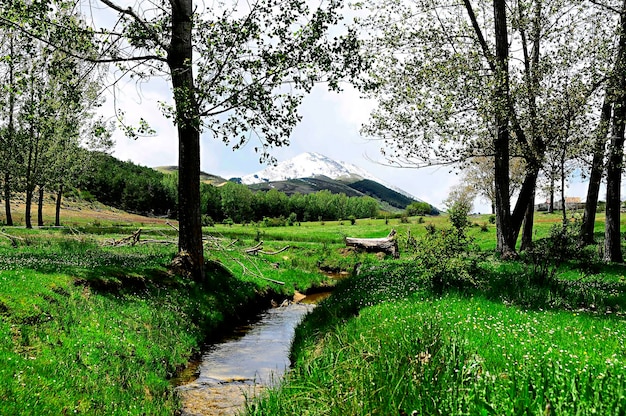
{"x":204,"y":177}
{"x":312,"y":172}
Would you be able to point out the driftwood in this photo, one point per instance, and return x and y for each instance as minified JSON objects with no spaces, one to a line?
{"x":130,"y":240}
{"x":259,"y":249}
{"x":387,"y":244}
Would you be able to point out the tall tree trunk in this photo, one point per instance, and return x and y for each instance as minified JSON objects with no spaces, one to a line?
{"x":527,"y":231}
{"x":40,"y":207}
{"x":526,"y":196}
{"x":57,"y":211}
{"x":505,"y":238}
{"x":7,"y":199}
{"x":11,"y":134}
{"x":29,"y":204}
{"x":612,"y":240}
{"x":595,"y":176}
{"x":551,"y":199}
{"x":180,"y":59}
{"x":563,"y":200}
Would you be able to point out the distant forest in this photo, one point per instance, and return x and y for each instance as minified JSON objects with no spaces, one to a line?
{"x":143,"y":190}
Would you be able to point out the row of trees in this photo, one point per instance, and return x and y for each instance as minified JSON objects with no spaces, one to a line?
{"x":47,"y":119}
{"x":238,"y":70}
{"x":134,"y":188}
{"x":240,"y":204}
{"x":533,"y":88}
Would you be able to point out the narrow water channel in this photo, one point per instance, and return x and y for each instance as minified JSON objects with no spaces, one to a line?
{"x":254,"y":356}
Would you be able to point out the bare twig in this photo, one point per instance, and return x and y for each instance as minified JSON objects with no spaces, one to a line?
{"x":170,"y":224}
{"x":255,"y":249}
{"x":13,"y":238}
{"x":274,"y":252}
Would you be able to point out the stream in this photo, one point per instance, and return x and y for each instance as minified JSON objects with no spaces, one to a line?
{"x":240,"y":366}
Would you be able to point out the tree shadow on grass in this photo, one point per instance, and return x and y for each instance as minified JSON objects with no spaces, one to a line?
{"x":585,"y":286}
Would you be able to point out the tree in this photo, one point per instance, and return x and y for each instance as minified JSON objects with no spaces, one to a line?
{"x":459,"y":204}
{"x":615,"y":164}
{"x":476,"y":79}
{"x":479,"y":173}
{"x":237,"y":70}
{"x":595,"y":175}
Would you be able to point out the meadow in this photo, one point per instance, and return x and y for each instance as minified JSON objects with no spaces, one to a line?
{"x":91,"y":327}
{"x":534,"y":337}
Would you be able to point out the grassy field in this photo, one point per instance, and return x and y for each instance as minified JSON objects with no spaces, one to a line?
{"x":90,"y":327}
{"x":508,"y":340}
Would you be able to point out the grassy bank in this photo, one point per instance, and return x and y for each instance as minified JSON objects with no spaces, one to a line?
{"x":527,"y":337}
{"x":89,"y":328}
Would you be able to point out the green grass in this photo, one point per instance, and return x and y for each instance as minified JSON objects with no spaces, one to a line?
{"x":508,"y":341}
{"x":457,"y":355}
{"x":94,"y":329}
{"x":88,"y":328}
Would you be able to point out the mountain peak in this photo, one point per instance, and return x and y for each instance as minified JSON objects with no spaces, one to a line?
{"x":307,"y":165}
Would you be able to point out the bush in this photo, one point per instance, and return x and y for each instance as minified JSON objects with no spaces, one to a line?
{"x":207,"y":221}
{"x":292,"y":219}
{"x":447,"y":259}
{"x":547,"y":254}
{"x":274,"y":222}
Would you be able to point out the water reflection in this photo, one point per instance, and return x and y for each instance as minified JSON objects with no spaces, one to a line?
{"x":256,"y":355}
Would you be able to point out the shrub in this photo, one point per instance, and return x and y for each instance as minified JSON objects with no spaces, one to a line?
{"x":207,"y":221}
{"x":292,"y":219}
{"x":274,"y":222}
{"x":430,"y":228}
{"x":447,"y":259}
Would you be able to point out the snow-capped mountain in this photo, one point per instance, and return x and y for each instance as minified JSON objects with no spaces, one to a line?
{"x":309,"y":165}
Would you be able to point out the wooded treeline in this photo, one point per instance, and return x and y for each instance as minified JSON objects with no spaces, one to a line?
{"x":47,"y":119}
{"x":139,"y":189}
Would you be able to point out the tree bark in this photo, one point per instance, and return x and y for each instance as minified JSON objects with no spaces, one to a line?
{"x":57,"y":211}
{"x":527,"y":231}
{"x":595,"y":177}
{"x":7,"y":199}
{"x":387,"y":244}
{"x":11,"y":135}
{"x":612,"y":240}
{"x":551,"y":200}
{"x":505,"y":239}
{"x":40,"y":208}
{"x":180,"y":58}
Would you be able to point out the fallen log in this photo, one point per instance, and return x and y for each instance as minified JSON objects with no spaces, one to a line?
{"x":387,"y":244}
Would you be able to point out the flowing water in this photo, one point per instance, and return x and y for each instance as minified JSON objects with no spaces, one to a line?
{"x":256,"y":355}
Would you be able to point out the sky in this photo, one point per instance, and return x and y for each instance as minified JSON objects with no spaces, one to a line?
{"x":330,"y":126}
